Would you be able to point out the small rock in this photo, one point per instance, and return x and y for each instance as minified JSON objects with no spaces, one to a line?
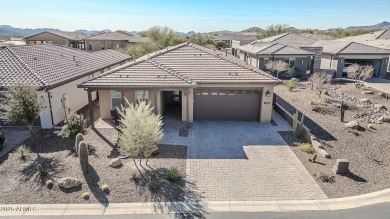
{"x":379,"y":106}
{"x":353,"y":124}
{"x":364,"y":100}
{"x":68,"y":182}
{"x":368,"y":92}
{"x":116,"y":162}
{"x":384,"y":119}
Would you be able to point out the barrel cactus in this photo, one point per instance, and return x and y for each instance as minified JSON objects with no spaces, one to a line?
{"x":79,"y":138}
{"x":83,"y":156}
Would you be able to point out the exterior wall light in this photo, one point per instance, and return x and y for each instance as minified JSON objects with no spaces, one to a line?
{"x":268,"y":93}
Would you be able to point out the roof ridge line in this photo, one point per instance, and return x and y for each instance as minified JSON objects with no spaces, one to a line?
{"x":244,"y":65}
{"x":370,"y":46}
{"x":266,"y":47}
{"x":44,"y":83}
{"x":157,"y":64}
{"x":345,"y":47}
{"x":277,"y":50}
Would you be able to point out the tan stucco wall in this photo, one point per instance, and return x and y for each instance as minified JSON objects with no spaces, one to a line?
{"x":46,"y":37}
{"x":77,"y":99}
{"x":108,"y":44}
{"x":266,"y":104}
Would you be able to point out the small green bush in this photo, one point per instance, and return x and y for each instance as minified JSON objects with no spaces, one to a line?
{"x":292,"y":84}
{"x":324,"y":176}
{"x":104,"y":188}
{"x":133,"y":176}
{"x":75,"y":124}
{"x":22,"y":150}
{"x":153,"y":185}
{"x":85,"y":195}
{"x":173,"y":174}
{"x":306,"y":147}
{"x":155,"y":153}
{"x":49,"y":183}
{"x":41,"y":171}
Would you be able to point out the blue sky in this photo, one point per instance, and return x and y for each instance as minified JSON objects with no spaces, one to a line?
{"x":184,"y":15}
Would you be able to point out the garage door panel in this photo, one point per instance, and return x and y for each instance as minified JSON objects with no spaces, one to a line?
{"x":227,"y":107}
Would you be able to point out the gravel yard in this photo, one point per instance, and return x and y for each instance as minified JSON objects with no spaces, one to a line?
{"x":368,"y":153}
{"x":20,"y":182}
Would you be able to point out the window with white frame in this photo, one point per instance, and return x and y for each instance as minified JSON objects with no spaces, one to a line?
{"x":116,"y":99}
{"x":142,"y":95}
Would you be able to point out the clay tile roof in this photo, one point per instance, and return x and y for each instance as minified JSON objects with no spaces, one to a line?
{"x":182,"y":65}
{"x":347,"y":47}
{"x":289,"y":39}
{"x":117,"y":36}
{"x":50,"y":65}
{"x":64,"y":34}
{"x":273,"y":49}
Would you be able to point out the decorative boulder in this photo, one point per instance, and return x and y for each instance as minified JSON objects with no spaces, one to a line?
{"x":353,"y":124}
{"x":341,"y":166}
{"x":379,"y":106}
{"x":368,"y":92}
{"x":116,"y":162}
{"x":68,"y":182}
{"x":364,"y":100}
{"x":384,"y":119}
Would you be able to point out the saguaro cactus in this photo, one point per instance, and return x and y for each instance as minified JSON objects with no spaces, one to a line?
{"x":342,"y":111}
{"x":83,"y":156}
{"x":79,"y":138}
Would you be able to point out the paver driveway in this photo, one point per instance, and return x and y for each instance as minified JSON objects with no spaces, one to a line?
{"x":230,"y":161}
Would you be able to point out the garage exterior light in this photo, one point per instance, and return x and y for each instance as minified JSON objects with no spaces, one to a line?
{"x":268,"y":93}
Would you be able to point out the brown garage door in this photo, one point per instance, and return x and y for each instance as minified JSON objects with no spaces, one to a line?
{"x":229,"y":105}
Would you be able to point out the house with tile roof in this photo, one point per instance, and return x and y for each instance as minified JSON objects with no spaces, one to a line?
{"x":293,"y":42}
{"x":63,"y":38}
{"x":339,"y":54}
{"x":111,"y":40}
{"x":258,"y":54}
{"x":189,"y":82}
{"x":55,"y":71}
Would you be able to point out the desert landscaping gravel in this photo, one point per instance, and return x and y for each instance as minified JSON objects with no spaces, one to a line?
{"x":20,"y":183}
{"x":368,"y":153}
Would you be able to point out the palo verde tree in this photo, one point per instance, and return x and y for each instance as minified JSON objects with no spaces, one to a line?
{"x":140,"y":130}
{"x":277,"y":66}
{"x":21,"y":105}
{"x":319,"y":81}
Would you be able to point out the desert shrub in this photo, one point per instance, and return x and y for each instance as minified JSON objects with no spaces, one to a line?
{"x":155,"y":153}
{"x":173,"y":174}
{"x":153,"y":185}
{"x":85,"y":195}
{"x":306,"y":147}
{"x":292,"y":84}
{"x":49,"y":183}
{"x":104,"y":188}
{"x":324,"y":176}
{"x":133,"y":176}
{"x":74,"y":125}
{"x":370,"y":126}
{"x":22,"y":150}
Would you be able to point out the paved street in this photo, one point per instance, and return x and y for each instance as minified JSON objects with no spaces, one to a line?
{"x":243,"y":161}
{"x":378,"y":211}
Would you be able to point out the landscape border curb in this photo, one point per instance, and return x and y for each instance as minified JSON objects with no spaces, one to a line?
{"x":378,"y":197}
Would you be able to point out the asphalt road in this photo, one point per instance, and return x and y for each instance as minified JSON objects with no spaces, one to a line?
{"x":379,"y":211}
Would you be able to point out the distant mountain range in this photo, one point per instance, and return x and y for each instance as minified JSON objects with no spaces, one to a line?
{"x":383,"y":25}
{"x":7,"y":30}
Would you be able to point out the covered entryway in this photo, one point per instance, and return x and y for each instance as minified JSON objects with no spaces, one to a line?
{"x":172,"y":102}
{"x":227,"y":105}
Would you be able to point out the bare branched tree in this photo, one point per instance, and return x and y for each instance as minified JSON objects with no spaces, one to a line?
{"x":360,"y":73}
{"x":320,"y":81}
{"x":277,"y":67}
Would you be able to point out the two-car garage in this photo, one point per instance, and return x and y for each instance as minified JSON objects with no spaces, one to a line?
{"x":233,"y":105}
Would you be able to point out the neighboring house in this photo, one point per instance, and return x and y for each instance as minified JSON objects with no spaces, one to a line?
{"x":259,"y":54}
{"x":67,"y":39}
{"x":188,"y":82}
{"x":111,"y":40}
{"x":56,"y":71}
{"x":380,"y":39}
{"x":300,"y":42}
{"x":124,"y":32}
{"x":229,"y":38}
{"x":243,"y":41}
{"x":337,"y":55}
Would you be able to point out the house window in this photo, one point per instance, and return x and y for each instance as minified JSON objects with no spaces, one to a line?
{"x":222,"y":92}
{"x":291,"y":62}
{"x":266,"y":60}
{"x":142,"y":95}
{"x":205,"y":92}
{"x":214,"y":92}
{"x":116,"y":99}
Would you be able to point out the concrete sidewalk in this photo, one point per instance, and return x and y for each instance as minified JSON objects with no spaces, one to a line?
{"x":195,"y":208}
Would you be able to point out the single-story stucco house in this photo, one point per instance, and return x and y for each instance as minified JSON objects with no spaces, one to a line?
{"x":62,"y":38}
{"x":196,"y":82}
{"x":111,"y":40}
{"x":55,"y":71}
{"x":258,"y":54}
{"x":337,"y":55}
